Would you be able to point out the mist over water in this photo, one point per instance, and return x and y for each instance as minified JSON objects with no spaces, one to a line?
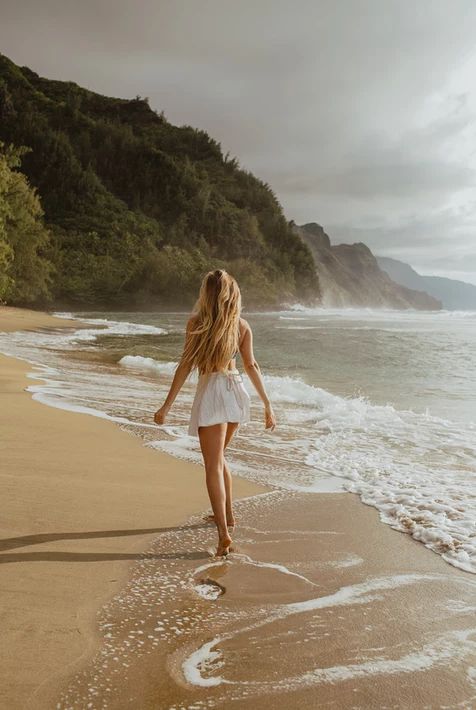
{"x":377,"y":402}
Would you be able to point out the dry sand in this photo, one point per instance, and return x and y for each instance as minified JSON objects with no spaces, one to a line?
{"x":80,"y":500}
{"x":388,"y":624}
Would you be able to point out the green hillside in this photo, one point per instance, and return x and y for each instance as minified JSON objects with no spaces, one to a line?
{"x":136,"y":208}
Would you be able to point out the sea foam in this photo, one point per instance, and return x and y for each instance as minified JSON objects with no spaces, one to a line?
{"x":417,"y":469}
{"x":207,"y":658}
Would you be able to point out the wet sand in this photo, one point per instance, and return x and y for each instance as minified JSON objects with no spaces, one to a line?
{"x":320,"y":606}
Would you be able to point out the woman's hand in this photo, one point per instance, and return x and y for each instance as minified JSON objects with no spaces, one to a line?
{"x":269,"y":418}
{"x":159,"y":416}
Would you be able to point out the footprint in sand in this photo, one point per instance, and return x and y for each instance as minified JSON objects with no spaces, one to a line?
{"x":209,"y":588}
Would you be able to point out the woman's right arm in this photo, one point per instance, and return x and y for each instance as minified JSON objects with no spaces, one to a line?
{"x":253,"y":371}
{"x":180,"y":375}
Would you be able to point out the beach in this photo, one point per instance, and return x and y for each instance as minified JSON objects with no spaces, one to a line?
{"x":110,"y":597}
{"x":80,"y":501}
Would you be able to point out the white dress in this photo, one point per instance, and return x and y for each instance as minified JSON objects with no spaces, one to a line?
{"x":220,"y":397}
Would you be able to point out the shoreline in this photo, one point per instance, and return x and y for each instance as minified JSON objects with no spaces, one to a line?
{"x":99,"y":505}
{"x":94,"y":492}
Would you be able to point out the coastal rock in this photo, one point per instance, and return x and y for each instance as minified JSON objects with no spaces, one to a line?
{"x":350,"y":276}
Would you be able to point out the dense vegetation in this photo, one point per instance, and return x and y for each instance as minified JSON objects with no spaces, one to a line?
{"x":25,"y":275}
{"x":135,"y":209}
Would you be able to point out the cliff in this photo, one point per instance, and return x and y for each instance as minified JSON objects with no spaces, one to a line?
{"x":350,"y":276}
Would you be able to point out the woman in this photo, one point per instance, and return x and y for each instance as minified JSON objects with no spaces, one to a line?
{"x":215,"y":334}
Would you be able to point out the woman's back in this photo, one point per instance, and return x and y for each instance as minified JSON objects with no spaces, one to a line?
{"x":231,"y":364}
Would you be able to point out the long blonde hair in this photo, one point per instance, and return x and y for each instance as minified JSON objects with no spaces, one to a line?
{"x":214,"y":336}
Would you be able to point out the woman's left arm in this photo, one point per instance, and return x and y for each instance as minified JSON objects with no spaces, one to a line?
{"x":180,"y":375}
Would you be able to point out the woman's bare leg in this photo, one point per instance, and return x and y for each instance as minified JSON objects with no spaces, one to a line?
{"x":230,"y":430}
{"x":230,"y":518}
{"x":212,"y":442}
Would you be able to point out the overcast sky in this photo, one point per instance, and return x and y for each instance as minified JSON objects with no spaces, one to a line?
{"x":359,"y":113}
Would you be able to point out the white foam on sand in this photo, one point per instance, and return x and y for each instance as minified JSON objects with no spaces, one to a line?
{"x":49,"y":392}
{"x":246,"y":559}
{"x":453,"y":645}
{"x":201,"y":661}
{"x":208,"y":591}
{"x":445,"y":648}
{"x":349,"y":561}
{"x":326,"y":484}
{"x":241,"y":558}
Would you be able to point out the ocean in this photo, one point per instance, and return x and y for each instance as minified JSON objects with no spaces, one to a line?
{"x":381,"y":403}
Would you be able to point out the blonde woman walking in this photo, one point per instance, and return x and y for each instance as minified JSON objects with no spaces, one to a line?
{"x":215,"y":334}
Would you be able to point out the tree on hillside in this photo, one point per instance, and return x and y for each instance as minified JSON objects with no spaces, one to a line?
{"x":25,"y":272}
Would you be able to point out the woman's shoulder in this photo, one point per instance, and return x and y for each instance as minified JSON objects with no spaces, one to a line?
{"x":244,"y":327}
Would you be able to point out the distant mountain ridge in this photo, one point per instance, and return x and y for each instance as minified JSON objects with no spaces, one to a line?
{"x":350,"y":276}
{"x":454,"y":294}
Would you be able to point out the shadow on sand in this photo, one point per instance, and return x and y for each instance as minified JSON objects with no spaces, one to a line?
{"x":50,"y":556}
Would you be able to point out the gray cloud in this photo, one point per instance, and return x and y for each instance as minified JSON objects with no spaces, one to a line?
{"x":397,"y":180}
{"x":359,"y":113}
{"x":443,"y":244}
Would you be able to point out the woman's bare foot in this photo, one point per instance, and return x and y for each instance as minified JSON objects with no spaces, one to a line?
{"x":231,"y":522}
{"x":224,"y":546}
